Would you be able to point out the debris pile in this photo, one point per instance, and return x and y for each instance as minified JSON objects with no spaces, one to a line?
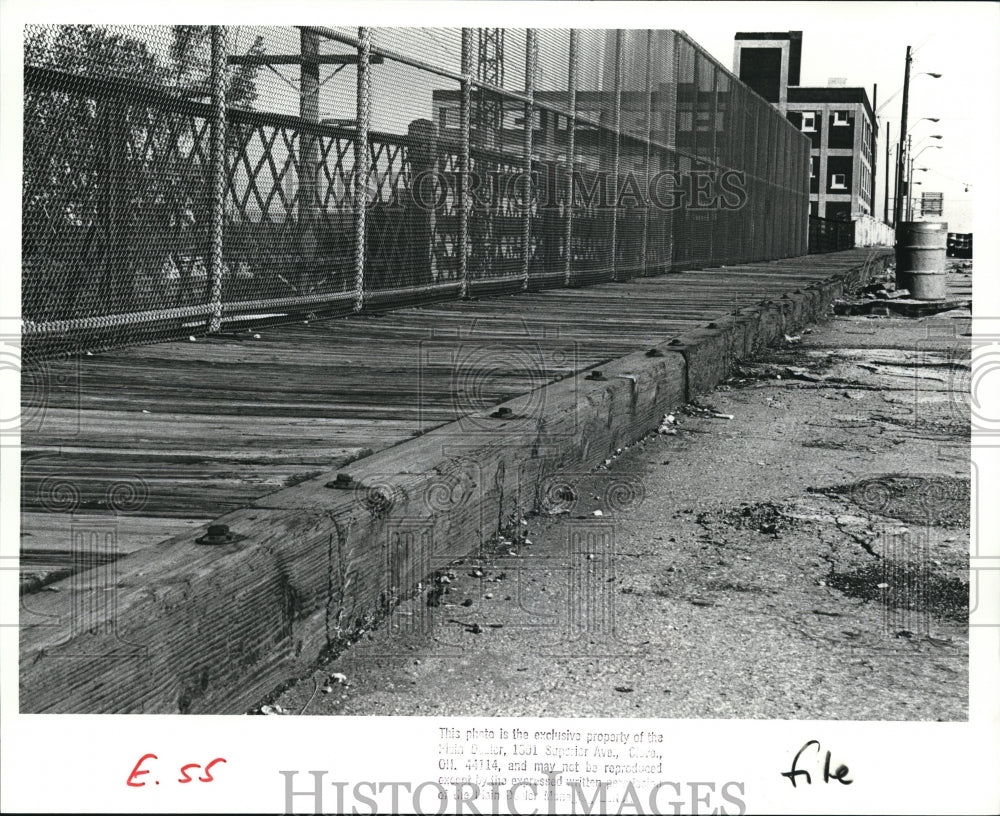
{"x":668,"y":425}
{"x":883,"y":290}
{"x":705,"y":411}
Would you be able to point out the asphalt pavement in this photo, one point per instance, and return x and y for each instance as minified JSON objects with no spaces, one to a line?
{"x":793,"y":545}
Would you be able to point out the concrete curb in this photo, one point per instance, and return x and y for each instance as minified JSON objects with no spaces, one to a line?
{"x":211,"y":629}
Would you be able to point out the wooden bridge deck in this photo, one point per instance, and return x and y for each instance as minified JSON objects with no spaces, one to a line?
{"x":158,"y":439}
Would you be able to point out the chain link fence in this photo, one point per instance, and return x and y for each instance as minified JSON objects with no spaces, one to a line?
{"x":181,"y":180}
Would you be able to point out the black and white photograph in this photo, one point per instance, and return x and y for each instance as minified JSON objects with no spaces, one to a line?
{"x":500,"y":407}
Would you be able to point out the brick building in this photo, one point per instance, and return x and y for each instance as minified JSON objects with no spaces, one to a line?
{"x":839,"y":121}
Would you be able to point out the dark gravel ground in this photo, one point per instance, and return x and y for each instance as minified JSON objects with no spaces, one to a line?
{"x":807,"y":558}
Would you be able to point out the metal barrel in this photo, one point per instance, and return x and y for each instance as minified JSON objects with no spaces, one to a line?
{"x":921,"y":247}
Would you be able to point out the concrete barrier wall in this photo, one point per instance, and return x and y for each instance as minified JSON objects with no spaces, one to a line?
{"x":870,"y":231}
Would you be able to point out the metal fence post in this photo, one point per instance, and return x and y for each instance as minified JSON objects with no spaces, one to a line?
{"x":217,"y":174}
{"x":308,"y":165}
{"x":362,"y":161}
{"x":616,"y":123}
{"x":464,"y":124}
{"x":530,"y":64}
{"x":571,"y":151}
{"x":713,"y":152}
{"x":644,"y":256}
{"x":422,"y":155}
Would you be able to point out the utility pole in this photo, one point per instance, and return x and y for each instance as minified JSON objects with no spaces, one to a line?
{"x":885,"y":211}
{"x":898,"y":209}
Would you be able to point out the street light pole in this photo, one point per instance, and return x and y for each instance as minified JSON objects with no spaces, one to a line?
{"x":913,"y":158}
{"x":885,"y":211}
{"x":898,"y":209}
{"x":909,"y":178}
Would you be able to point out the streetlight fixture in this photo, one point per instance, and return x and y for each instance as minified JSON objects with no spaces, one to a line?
{"x":903,"y":131}
{"x":928,"y":147}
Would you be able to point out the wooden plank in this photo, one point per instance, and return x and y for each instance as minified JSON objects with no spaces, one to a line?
{"x":209,"y":426}
{"x":210,"y":628}
{"x":51,"y":533}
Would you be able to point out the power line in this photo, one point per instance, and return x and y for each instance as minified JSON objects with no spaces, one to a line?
{"x":950,"y":178}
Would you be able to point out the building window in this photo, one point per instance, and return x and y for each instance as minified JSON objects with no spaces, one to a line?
{"x":838,"y":181}
{"x":444,"y":118}
{"x":808,"y":122}
{"x":841,"y":118}
{"x":813,"y":161}
{"x":518,"y":121}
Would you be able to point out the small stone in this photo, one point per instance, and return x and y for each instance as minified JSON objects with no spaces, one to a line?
{"x":192,"y":338}
{"x":598,"y":513}
{"x":488,"y":596}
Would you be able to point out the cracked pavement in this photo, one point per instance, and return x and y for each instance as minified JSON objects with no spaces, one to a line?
{"x":807,"y":558}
